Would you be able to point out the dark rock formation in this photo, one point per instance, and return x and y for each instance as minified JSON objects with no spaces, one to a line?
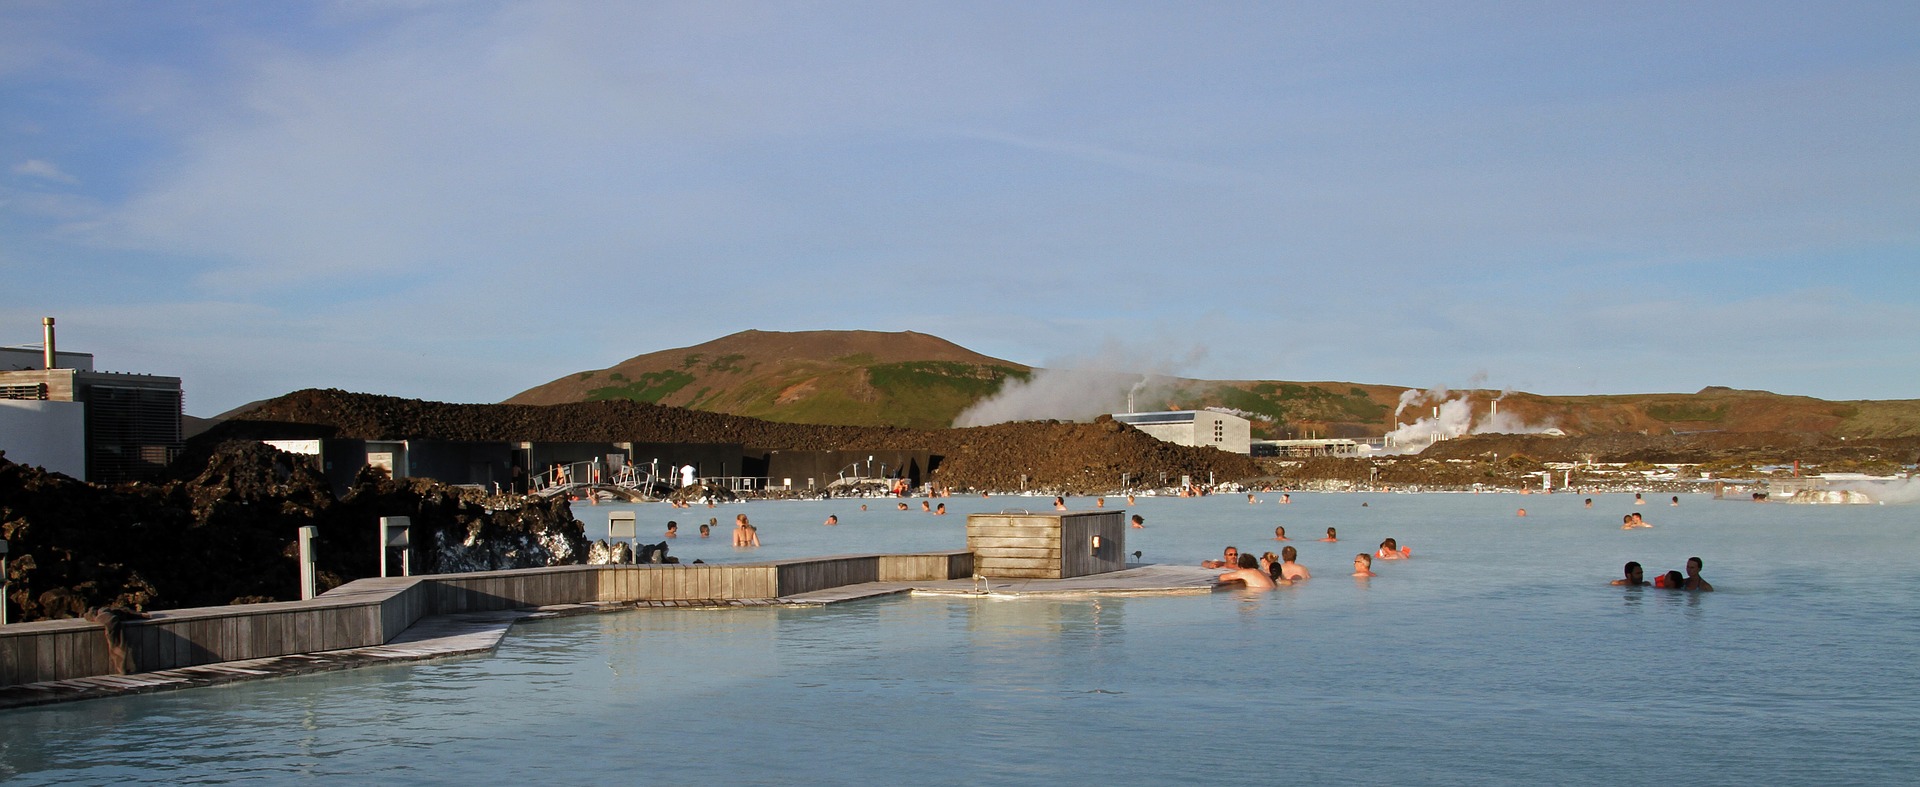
{"x":226,"y":531}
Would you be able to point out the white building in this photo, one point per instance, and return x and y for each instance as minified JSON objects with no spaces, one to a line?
{"x":1208,"y":428}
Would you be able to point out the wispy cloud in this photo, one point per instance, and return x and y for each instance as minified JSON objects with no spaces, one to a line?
{"x":44,"y":170}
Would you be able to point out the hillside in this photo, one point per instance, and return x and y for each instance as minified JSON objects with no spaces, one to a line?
{"x":868,"y":378}
{"x":864,"y":378}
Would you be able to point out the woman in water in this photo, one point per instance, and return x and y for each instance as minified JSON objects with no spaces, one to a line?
{"x":1279,"y":534}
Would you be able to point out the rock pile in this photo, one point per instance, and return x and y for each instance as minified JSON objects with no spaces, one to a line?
{"x":225,"y":531}
{"x":1069,"y":457}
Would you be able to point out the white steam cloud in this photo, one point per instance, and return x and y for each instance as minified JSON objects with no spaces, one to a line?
{"x":1450,"y":418}
{"x":1079,"y":389}
{"x":1898,"y":492}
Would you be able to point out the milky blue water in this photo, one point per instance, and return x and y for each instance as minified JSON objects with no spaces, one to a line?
{"x":1497,"y":655}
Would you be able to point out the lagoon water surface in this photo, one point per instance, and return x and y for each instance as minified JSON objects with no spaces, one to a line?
{"x":1497,"y":654}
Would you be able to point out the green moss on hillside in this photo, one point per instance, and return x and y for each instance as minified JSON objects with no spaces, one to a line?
{"x":1687,"y":411}
{"x":651,"y":387}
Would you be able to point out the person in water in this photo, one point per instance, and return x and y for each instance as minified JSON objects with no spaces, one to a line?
{"x":1589,"y":502}
{"x":673,"y":529}
{"x":926,"y":506}
{"x":1331,"y":536}
{"x":1248,"y":571}
{"x":1631,"y":521}
{"x":940,"y":510}
{"x":705,"y":530}
{"x":833,"y":519}
{"x":1391,"y":550}
{"x":1672,"y":580}
{"x":1290,"y":568}
{"x":1279,"y":533}
{"x":744,"y":533}
{"x":1675,"y":501}
{"x":1694,"y":581}
{"x":1138,"y":522}
{"x":1634,"y":577}
{"x":1059,"y":504}
{"x":1231,"y":559}
{"x":1363,"y":565}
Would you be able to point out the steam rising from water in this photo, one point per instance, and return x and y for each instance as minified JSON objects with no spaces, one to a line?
{"x":1079,"y":389}
{"x":1901,"y":492}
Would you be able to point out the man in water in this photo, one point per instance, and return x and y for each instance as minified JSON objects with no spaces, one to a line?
{"x":1247,"y":570}
{"x":1694,"y":580}
{"x":1363,"y":565}
{"x":705,"y":530}
{"x":673,"y":529}
{"x":1138,"y":522}
{"x":1634,"y":578}
{"x":940,"y":510}
{"x":1232,"y":559}
{"x":833,"y":519}
{"x":1290,"y":569}
{"x":1331,"y":536}
{"x":1280,"y":533}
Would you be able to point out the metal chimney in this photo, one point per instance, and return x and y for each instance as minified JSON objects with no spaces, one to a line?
{"x":47,"y":323}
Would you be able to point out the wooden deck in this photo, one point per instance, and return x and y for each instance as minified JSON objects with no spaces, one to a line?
{"x":467,"y":633}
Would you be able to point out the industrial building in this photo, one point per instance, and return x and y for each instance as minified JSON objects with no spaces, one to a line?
{"x":125,"y":427}
{"x":1198,"y":428}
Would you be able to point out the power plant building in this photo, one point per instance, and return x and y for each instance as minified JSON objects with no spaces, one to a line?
{"x":1198,"y":428}
{"x":129,"y":424}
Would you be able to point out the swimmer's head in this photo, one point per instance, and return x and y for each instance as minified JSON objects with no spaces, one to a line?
{"x":1279,"y":532}
{"x":1232,"y":553}
{"x":1363,"y":560}
{"x":1675,"y":580}
{"x":1330,"y":533}
{"x":1289,"y":554}
{"x":1633,"y":570}
{"x":1390,"y":545}
{"x":1626,"y":520}
{"x":1249,"y":561}
{"x":1694,"y":565}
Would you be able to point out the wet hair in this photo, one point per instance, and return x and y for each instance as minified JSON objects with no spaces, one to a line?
{"x":1390,"y":544}
{"x":1364,"y":558}
{"x":1329,"y":531}
{"x":1280,"y":531}
{"x":1624,"y":519}
{"x":672,"y":525}
{"x":1289,"y":553}
{"x":1137,"y":520}
{"x":706,"y":528}
{"x":1632,"y":566}
{"x":1273,"y":570}
{"x":1270,"y":557}
{"x":1693,"y":560}
{"x":1676,"y":580}
{"x":1249,"y":561}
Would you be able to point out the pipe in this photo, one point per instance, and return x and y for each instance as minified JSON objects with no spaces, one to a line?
{"x":47,"y":345}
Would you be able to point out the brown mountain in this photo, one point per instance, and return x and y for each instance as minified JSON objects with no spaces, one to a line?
{"x":864,"y":378}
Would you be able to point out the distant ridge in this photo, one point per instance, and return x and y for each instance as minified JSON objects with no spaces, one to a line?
{"x":914,"y":380}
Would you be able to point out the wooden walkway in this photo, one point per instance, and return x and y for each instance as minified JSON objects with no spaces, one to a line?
{"x":446,"y":636}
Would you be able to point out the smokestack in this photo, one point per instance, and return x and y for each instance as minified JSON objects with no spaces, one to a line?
{"x":47,"y":345}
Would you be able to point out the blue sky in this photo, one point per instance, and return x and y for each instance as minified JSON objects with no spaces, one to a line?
{"x":458,"y":201}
